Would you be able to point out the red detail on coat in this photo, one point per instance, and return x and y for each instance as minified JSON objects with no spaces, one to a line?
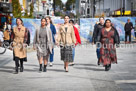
{"x":78,"y":40}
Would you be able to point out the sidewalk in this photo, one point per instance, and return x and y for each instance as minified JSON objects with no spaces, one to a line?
{"x":85,"y":75}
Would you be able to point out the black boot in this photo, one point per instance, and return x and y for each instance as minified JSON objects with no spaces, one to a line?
{"x":98,"y":63}
{"x":16,"y":68}
{"x":44,"y":69}
{"x":21,"y":66}
{"x":106,"y":68}
{"x":40,"y":69}
{"x":109,"y":66}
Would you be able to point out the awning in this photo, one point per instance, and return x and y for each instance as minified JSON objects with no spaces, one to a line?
{"x":5,"y":7}
{"x":125,"y":13}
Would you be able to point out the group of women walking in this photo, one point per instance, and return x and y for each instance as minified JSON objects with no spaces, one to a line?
{"x":67,"y":38}
{"x":44,"y":41}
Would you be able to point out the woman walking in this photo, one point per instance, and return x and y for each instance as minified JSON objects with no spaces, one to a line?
{"x":53,"y":30}
{"x":43,"y":43}
{"x":108,"y":37}
{"x":19,"y":38}
{"x":66,"y":39}
{"x":78,"y":41}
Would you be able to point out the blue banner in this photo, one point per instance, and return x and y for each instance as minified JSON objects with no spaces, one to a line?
{"x":32,"y":24}
{"x":87,"y":27}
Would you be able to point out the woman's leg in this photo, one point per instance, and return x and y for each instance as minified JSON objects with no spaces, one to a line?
{"x":45,"y":63}
{"x":40,"y":62}
{"x":66,"y":63}
{"x":21,"y":66}
{"x":16,"y":65}
{"x":51,"y":57}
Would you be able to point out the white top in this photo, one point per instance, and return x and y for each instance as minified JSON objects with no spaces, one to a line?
{"x":9,"y":27}
{"x":1,"y":36}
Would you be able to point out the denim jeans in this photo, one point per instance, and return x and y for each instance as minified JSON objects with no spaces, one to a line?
{"x":52,"y":55}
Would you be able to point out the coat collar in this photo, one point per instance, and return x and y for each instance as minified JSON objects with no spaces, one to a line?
{"x":68,"y":24}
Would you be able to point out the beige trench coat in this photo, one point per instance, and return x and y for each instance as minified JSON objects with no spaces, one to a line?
{"x":18,"y":42}
{"x":66,"y":38}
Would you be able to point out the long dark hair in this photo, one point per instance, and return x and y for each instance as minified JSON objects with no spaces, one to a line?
{"x":50,"y":19}
{"x":67,"y":16}
{"x":44,"y":19}
{"x":106,"y":21}
{"x":20,"y":20}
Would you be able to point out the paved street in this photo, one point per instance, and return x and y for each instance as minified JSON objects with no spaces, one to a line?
{"x":85,"y":75}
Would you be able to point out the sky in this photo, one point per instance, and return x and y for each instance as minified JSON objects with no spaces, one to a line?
{"x":64,"y":1}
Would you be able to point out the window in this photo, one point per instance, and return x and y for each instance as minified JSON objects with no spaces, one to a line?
{"x":88,"y":11}
{"x":5,"y":0}
{"x":47,"y":12}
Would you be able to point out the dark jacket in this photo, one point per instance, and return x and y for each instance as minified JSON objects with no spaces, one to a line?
{"x":97,"y":28}
{"x":128,"y":27}
{"x":28,"y":38}
{"x":53,"y":30}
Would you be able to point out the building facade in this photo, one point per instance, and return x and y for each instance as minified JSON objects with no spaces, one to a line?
{"x":83,"y":8}
{"x":5,"y":6}
{"x":43,"y":8}
{"x":105,"y":8}
{"x":114,"y":7}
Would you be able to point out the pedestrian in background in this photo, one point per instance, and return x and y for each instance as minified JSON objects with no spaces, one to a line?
{"x":19,"y":39}
{"x":53,"y":30}
{"x":66,"y":39}
{"x":7,"y":36}
{"x":108,"y":37}
{"x":1,"y":36}
{"x":128,"y":27}
{"x":5,"y":26}
{"x":135,"y":29}
{"x":97,"y":29}
{"x":43,"y":43}
{"x":78,"y":41}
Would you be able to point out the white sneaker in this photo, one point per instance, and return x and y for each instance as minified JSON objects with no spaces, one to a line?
{"x":51,"y":64}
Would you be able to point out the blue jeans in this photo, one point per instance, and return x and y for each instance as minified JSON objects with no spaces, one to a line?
{"x":73,"y":53}
{"x":98,"y":53}
{"x":52,"y":55}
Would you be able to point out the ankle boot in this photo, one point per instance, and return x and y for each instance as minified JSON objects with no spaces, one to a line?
{"x":21,"y":69}
{"x":40,"y":69}
{"x":44,"y":69}
{"x":106,"y":68}
{"x":16,"y":70}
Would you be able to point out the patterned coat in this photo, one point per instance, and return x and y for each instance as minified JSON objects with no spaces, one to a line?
{"x":108,"y":39}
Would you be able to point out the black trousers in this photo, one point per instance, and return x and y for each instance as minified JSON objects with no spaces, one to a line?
{"x":126,"y":35}
{"x":17,"y":62}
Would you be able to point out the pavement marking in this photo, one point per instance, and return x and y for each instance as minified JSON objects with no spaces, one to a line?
{"x":125,"y":81}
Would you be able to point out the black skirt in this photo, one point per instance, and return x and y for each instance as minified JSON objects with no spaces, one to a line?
{"x":66,"y":53}
{"x":17,"y":58}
